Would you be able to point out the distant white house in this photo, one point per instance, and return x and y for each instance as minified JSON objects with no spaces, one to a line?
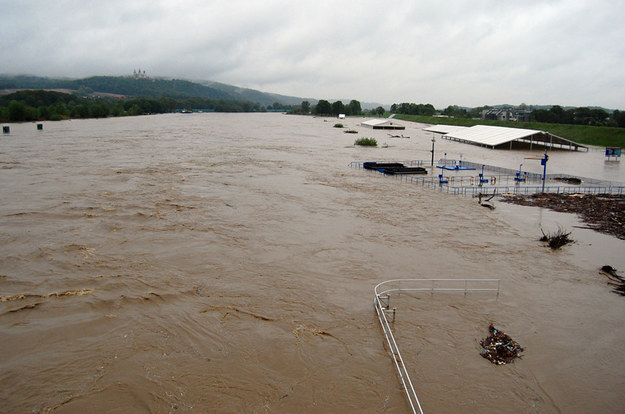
{"x":385,"y":123}
{"x":341,"y":116}
{"x":506,"y":114}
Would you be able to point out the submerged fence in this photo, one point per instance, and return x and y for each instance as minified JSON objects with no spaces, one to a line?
{"x":382,"y":303}
{"x":498,"y":180}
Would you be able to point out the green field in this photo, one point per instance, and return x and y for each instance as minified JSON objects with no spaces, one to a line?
{"x":582,"y":134}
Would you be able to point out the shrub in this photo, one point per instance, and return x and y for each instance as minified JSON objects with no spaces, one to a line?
{"x":338,"y":125}
{"x":368,"y":142}
{"x":350,"y":131}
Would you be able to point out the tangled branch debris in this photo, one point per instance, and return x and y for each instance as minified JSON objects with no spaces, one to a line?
{"x":499,"y":348}
{"x":602,"y":212}
{"x":617,"y":282}
{"x":557,"y":239}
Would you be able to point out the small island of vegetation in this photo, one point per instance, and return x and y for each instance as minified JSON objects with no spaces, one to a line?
{"x":366,"y":142}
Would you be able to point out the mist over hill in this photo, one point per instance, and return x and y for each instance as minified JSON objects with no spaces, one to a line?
{"x":130,"y":86}
{"x":143,"y":86}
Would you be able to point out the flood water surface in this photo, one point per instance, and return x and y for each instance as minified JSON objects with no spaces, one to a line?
{"x":226,"y":263}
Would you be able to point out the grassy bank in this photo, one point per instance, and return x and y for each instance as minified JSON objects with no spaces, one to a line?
{"x":588,"y":135}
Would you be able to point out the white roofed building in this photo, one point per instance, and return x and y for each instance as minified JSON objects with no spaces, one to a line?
{"x":502,"y":137}
{"x":385,"y":123}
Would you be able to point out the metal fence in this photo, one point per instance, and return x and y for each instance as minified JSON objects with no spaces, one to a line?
{"x":382,"y":303}
{"x":502,"y":181}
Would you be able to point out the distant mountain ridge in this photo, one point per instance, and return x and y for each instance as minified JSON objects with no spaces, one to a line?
{"x":149,"y":87}
{"x":264,"y":98}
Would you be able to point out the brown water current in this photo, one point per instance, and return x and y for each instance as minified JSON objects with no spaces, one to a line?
{"x":225,"y":263}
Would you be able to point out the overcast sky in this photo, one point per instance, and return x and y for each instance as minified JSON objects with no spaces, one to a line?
{"x":469,"y":53}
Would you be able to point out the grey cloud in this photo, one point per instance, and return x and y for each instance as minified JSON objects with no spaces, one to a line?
{"x":452,"y":52}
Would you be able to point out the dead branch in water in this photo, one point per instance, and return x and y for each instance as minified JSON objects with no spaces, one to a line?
{"x":486,"y":203}
{"x":617,"y":282}
{"x":557,"y":239}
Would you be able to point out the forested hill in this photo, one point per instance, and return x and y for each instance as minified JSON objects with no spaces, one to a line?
{"x":146,"y":87}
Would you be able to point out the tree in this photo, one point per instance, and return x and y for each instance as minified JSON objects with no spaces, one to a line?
{"x":135,"y":110}
{"x":619,"y":118}
{"x":354,"y":107}
{"x":17,"y":111}
{"x":379,"y":110}
{"x":323,"y":107}
{"x":99,"y":110}
{"x":338,"y":108}
{"x":305,"y":107}
{"x":81,"y":111}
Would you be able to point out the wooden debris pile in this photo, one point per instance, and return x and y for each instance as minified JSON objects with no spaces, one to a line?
{"x":499,"y":348}
{"x":602,"y":212}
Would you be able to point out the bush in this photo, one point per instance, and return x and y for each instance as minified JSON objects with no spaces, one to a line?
{"x":368,"y":142}
{"x":350,"y":131}
{"x":338,"y":125}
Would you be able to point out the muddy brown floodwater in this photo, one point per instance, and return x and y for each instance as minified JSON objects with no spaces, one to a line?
{"x":226,"y":263}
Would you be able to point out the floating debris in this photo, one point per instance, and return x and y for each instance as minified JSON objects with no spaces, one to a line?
{"x":557,"y":239}
{"x":487,"y":202}
{"x":569,"y":180}
{"x":76,"y":292}
{"x":617,"y":282}
{"x":499,"y":348}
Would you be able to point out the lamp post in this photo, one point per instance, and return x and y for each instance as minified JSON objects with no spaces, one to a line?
{"x":433,"y":141}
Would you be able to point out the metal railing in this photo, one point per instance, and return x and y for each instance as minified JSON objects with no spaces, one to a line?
{"x":491,"y":190}
{"x":502,"y":181}
{"x":382,"y":304}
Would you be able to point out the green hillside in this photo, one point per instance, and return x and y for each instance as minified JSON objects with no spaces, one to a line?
{"x":149,"y":88}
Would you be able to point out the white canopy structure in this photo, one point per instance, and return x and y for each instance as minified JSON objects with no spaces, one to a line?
{"x":385,"y":123}
{"x":502,"y":137}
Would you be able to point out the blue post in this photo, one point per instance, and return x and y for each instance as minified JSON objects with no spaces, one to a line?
{"x":518,"y":177}
{"x":543,"y":162}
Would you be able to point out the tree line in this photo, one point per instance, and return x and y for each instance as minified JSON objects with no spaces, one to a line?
{"x":39,"y":105}
{"x":325,"y":108}
{"x":579,"y":116}
{"x":554,"y":115}
{"x":413,"y":109}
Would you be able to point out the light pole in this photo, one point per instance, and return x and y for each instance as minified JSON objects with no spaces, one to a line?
{"x":433,"y":141}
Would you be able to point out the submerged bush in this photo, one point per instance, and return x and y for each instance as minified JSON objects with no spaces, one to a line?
{"x":350,"y":131}
{"x":338,"y":125}
{"x":368,"y":142}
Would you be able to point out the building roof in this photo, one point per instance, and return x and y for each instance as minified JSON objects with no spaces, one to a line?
{"x":384,"y":123}
{"x":496,"y":136}
{"x":443,"y":129}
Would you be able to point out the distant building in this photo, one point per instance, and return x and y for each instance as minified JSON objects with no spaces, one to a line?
{"x":506,"y":114}
{"x":138,"y":74}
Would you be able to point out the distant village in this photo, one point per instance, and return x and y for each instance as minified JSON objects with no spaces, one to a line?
{"x":506,"y":114}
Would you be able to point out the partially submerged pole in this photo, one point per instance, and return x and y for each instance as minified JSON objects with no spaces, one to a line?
{"x":543,"y":162}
